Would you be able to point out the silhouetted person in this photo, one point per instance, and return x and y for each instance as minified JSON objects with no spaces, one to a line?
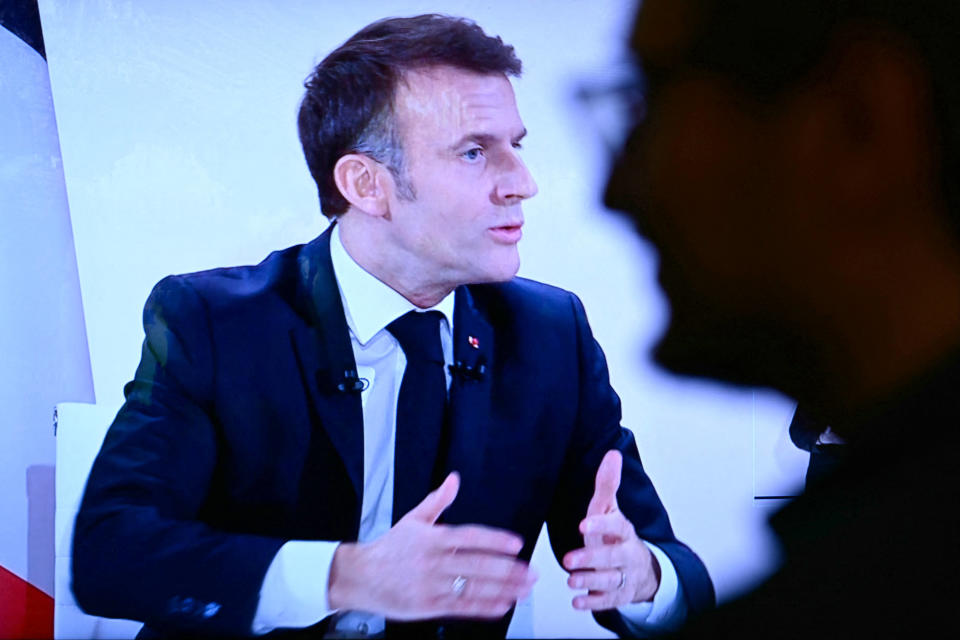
{"x":797,"y":172}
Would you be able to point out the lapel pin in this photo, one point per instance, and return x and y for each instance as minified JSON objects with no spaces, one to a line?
{"x":473,"y":342}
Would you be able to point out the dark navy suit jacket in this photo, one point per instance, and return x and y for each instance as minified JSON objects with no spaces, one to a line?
{"x":234,"y":438}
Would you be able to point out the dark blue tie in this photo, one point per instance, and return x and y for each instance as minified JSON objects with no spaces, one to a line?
{"x":420,"y":408}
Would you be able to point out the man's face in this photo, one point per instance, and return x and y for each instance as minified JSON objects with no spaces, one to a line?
{"x":461,"y":135}
{"x":700,"y":180}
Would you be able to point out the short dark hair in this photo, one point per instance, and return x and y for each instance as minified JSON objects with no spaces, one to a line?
{"x":348,"y":105}
{"x":768,"y":47}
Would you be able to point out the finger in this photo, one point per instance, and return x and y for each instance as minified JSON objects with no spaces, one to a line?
{"x":476,"y":537}
{"x":437,"y":500}
{"x":490,"y":567}
{"x":594,"y":540}
{"x":445,"y":606}
{"x":473,"y":608}
{"x":608,"y":556}
{"x":602,"y":580}
{"x":607,"y":482}
{"x":612,"y":527}
{"x":481,"y":597}
{"x":600,"y":600}
{"x":604,"y":498}
{"x":476,"y":588}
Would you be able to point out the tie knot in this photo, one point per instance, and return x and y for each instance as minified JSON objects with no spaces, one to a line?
{"x":419,"y":335}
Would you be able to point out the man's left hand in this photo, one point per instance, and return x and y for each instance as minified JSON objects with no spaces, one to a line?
{"x":614,"y":565}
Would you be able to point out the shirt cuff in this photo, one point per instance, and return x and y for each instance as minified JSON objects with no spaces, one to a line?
{"x":668,"y":610}
{"x":294,"y":590}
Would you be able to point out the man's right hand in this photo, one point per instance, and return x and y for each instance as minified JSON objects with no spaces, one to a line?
{"x":414,"y":570}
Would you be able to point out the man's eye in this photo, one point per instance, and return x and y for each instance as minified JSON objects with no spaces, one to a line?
{"x":473,"y":154}
{"x":518,"y":145}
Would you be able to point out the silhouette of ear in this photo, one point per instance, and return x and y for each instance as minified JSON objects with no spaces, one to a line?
{"x":360,"y":180}
{"x":881,"y":89}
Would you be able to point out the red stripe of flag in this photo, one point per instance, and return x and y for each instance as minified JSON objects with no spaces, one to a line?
{"x":25,"y":611}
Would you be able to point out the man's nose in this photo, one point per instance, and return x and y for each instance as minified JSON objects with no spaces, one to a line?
{"x":516,"y":183}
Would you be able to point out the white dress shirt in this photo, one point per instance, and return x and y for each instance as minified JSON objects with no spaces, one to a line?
{"x":294,"y":590}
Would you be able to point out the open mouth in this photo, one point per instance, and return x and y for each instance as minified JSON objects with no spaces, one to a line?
{"x":508,"y":234}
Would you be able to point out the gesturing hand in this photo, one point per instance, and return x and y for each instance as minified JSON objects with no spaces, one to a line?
{"x":614,"y":565}
{"x":420,"y":569}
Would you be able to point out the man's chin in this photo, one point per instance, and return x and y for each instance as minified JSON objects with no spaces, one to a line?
{"x":502,"y":272}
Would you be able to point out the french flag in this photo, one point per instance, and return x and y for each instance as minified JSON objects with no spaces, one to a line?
{"x":43,"y":346}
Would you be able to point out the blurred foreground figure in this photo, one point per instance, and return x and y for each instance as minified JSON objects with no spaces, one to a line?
{"x":796,"y":168}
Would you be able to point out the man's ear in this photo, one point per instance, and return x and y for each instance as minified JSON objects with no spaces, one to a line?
{"x":883,"y":91}
{"x":858,"y":134}
{"x":360,"y":180}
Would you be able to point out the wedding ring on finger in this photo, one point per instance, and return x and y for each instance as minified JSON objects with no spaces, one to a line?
{"x":459,"y":584}
{"x":623,"y":579}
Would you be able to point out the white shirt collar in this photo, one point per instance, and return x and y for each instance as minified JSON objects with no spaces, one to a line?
{"x":369,"y":304}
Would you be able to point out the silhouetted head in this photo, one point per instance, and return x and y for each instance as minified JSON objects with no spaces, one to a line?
{"x":796,"y":170}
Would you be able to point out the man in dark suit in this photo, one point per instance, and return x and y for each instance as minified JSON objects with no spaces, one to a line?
{"x":272,"y":465}
{"x":796,"y":169}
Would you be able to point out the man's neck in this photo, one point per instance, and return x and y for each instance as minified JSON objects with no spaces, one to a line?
{"x":401,"y":273}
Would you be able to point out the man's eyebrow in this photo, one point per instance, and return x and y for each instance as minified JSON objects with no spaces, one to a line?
{"x":485,"y":139}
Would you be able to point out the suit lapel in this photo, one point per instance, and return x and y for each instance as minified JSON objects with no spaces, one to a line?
{"x":470,"y":403}
{"x":326,"y":358}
